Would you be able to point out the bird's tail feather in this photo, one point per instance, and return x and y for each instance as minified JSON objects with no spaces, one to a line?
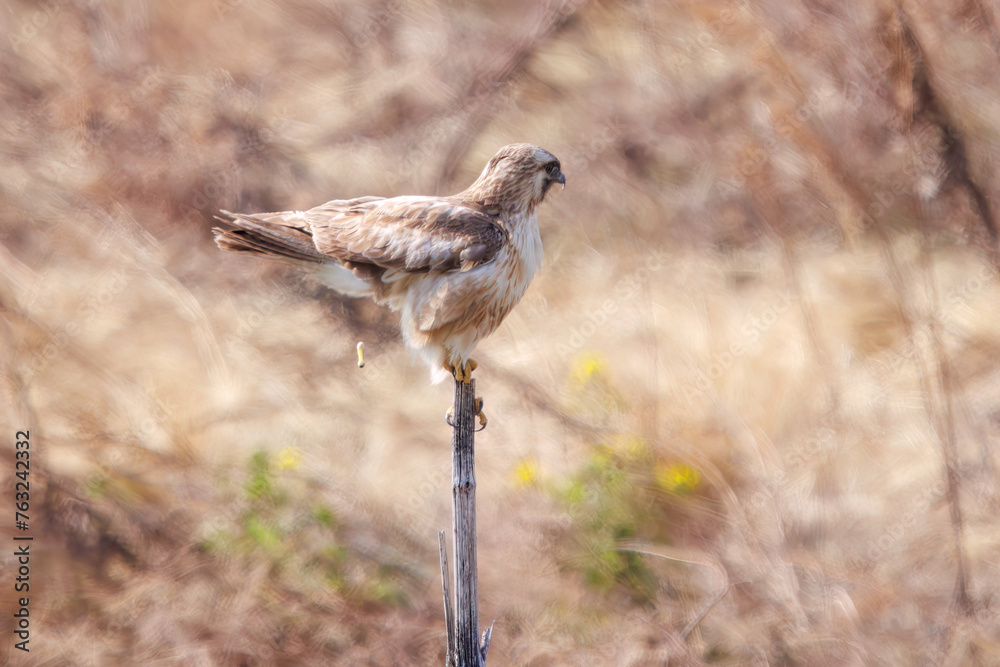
{"x":267,"y":239}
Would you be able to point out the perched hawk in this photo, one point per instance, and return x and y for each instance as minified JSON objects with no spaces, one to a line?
{"x":452,"y":266}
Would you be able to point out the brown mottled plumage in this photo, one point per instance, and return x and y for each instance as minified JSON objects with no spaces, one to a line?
{"x":453,"y":266}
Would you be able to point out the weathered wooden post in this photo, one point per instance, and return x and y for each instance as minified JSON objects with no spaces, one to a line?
{"x":464,"y":646}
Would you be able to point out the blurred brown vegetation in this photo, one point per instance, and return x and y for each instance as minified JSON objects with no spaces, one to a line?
{"x":746,"y":415}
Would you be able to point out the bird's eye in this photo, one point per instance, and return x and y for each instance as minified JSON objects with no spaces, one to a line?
{"x":552,"y":168}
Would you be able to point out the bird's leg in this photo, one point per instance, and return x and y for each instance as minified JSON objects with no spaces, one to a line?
{"x":450,"y":415}
{"x":479,"y":413}
{"x":462,"y":373}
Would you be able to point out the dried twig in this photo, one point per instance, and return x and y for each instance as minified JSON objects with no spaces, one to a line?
{"x":464,"y":643}
{"x":449,"y":610}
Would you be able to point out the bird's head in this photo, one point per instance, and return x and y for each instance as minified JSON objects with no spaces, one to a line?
{"x":516,"y":179}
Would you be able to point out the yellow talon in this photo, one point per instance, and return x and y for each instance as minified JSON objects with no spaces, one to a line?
{"x":463,"y":373}
{"x":361,"y":355}
{"x":449,"y":416}
{"x":479,"y":413}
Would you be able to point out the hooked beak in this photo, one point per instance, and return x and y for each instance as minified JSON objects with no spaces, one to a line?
{"x":561,"y":179}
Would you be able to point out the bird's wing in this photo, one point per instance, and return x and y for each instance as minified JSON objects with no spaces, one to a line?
{"x":406,"y":234}
{"x":284,"y":235}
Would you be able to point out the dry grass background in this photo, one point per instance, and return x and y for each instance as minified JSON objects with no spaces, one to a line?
{"x":746,"y":415}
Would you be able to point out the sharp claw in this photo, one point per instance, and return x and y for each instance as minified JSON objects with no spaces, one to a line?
{"x":463,"y":373}
{"x":449,"y":417}
{"x":480,"y":414}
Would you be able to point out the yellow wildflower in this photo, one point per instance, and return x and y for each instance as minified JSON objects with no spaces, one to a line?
{"x":289,"y":458}
{"x":677,"y":478}
{"x":526,"y":472}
